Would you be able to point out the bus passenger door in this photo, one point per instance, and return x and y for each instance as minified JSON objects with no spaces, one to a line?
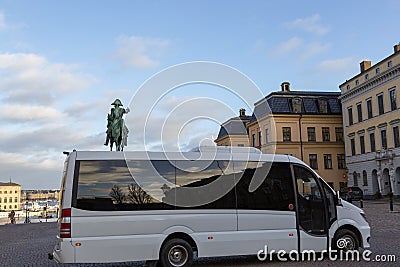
{"x":311,"y":212}
{"x":266,"y":213}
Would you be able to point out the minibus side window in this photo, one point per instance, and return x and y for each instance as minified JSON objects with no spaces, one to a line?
{"x":204,"y":184}
{"x":330,"y":197}
{"x":106,"y":185}
{"x":275,"y":191}
{"x":310,"y":200}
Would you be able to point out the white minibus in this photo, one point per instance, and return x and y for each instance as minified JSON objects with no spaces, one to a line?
{"x":174,"y":207}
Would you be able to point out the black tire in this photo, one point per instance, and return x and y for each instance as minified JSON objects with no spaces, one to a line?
{"x":345,"y":240}
{"x":176,"y":253}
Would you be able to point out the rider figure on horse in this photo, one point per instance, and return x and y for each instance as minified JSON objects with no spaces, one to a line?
{"x":117,"y":132}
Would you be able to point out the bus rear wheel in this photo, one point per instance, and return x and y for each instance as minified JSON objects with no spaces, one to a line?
{"x":176,"y":253}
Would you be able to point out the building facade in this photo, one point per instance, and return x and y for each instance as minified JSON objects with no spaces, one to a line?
{"x":307,"y":125}
{"x":10,"y":196}
{"x":371,"y":119}
{"x":40,"y":195}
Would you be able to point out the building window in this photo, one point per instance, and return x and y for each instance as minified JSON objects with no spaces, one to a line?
{"x":383,"y":139}
{"x":390,"y":64}
{"x":348,"y":87}
{"x":287,"y":134}
{"x":381,"y":108}
{"x":326,"y":137}
{"x":266,"y":136}
{"x":323,"y":105}
{"x":259,"y":138}
{"x":357,"y":82}
{"x":378,"y":70}
{"x":369,"y":108}
{"x":10,"y":199}
{"x":313,"y":161}
{"x":350,"y":113}
{"x":392,"y":95}
{"x":339,"y":134}
{"x":296,"y":105}
{"x":359,"y":112}
{"x":362,"y":144}
{"x":396,"y":136}
{"x":366,"y":76}
{"x":372,"y":142}
{"x":311,"y":134}
{"x":327,"y":161}
{"x":16,"y":200}
{"x":353,"y":147}
{"x":240,"y":145}
{"x":355,"y":180}
{"x":365,"y":178}
{"x":341,"y":162}
{"x":253,"y":139}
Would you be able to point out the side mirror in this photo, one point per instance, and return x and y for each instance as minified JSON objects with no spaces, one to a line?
{"x":338,"y":198}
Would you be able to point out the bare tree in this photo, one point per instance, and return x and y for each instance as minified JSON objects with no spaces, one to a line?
{"x":117,"y":195}
{"x":137,"y":195}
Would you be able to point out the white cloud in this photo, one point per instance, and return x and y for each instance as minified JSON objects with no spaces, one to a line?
{"x":337,"y":64}
{"x":139,"y":52}
{"x":288,"y":46}
{"x":309,"y":24}
{"x":30,"y":78}
{"x":26,"y":113}
{"x":314,"y":48}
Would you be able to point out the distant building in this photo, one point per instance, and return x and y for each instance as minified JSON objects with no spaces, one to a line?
{"x":371,"y":117}
{"x":40,"y":195}
{"x":10,"y":196}
{"x":233,"y":132}
{"x":307,"y":125}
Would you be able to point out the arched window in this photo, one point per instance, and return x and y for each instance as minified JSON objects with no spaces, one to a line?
{"x":365,"y":178}
{"x":355,"y":180}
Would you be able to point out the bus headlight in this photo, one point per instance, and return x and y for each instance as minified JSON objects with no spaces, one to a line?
{"x":364,"y":216}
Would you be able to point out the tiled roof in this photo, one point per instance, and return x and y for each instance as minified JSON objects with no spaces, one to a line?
{"x":282,"y":103}
{"x":236,"y":126}
{"x":9,"y":184}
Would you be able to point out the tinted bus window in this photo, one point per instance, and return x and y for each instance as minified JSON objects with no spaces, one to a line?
{"x":111,"y":185}
{"x":275,"y":190}
{"x":205,"y":185}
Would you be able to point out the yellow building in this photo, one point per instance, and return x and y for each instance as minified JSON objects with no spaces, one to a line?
{"x":372,"y":122}
{"x":10,"y":196}
{"x":307,"y":125}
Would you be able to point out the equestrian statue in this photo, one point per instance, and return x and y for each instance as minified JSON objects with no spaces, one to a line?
{"x":117,"y":132}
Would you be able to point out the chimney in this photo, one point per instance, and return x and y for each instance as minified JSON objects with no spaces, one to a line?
{"x":396,"y":48}
{"x":365,"y":65}
{"x":242,"y":112}
{"x":285,"y":87}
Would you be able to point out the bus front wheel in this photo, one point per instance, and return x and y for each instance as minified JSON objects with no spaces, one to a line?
{"x":346,"y":240}
{"x":176,"y":253}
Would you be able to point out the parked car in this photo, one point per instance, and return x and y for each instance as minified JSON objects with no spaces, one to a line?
{"x":352,"y":193}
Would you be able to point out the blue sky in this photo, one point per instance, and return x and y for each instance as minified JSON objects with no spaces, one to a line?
{"x":62,"y":63}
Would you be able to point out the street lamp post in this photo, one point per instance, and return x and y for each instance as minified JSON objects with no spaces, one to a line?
{"x":26,"y":212}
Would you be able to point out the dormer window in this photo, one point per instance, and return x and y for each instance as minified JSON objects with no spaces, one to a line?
{"x":296,"y":105}
{"x":323,"y":105}
{"x":348,"y":87}
{"x":357,"y":82}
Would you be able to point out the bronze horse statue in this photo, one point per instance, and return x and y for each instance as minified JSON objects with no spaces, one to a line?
{"x":117,"y":132}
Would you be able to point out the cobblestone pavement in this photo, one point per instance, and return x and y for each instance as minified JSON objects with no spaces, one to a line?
{"x":28,"y":244}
